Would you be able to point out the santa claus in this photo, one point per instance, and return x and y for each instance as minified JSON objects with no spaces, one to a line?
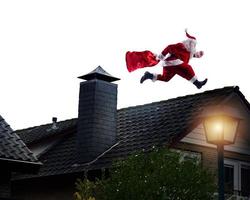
{"x":175,"y":58}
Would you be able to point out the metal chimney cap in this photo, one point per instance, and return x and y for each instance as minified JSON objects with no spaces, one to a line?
{"x":100,"y":74}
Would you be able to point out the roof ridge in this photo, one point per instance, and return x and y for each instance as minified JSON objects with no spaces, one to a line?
{"x":4,"y":124}
{"x":242,"y":96}
{"x":47,"y":124}
{"x":234,"y":88}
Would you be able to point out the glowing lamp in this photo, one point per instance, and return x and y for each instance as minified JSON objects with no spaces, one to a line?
{"x":220,"y":124}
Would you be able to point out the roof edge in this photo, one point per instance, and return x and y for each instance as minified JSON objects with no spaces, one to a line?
{"x":242,"y":97}
{"x":46,"y":124}
{"x":20,"y":161}
{"x":21,"y":166}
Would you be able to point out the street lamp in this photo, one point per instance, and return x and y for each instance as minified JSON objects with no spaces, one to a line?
{"x":220,"y":124}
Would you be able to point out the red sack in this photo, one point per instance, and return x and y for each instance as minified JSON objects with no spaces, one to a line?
{"x":140,"y":59}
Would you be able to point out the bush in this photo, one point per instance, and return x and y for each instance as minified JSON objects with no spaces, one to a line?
{"x":85,"y":190}
{"x":157,"y":175}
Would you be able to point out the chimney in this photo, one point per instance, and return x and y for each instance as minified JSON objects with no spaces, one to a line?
{"x":97,"y":114}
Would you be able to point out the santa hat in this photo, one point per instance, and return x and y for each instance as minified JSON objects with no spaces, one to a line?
{"x":190,"y":43}
{"x":189,"y":36}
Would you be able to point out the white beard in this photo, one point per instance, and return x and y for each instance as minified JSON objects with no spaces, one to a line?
{"x":190,"y":45}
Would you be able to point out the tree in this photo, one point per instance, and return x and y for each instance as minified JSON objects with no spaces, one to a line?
{"x":158,"y":175}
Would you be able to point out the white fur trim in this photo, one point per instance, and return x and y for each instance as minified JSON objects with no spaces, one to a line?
{"x":154,"y":77}
{"x":192,"y":80}
{"x":172,"y":62}
{"x":160,"y":57}
{"x":156,"y":56}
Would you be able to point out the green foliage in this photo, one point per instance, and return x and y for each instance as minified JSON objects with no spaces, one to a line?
{"x":158,"y":175}
{"x":88,"y":190}
{"x":85,"y":189}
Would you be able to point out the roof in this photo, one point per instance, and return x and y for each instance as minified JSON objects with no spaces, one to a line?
{"x":138,"y":127}
{"x":12,"y":148}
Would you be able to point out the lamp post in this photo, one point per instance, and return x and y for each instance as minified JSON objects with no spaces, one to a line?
{"x":220,"y":124}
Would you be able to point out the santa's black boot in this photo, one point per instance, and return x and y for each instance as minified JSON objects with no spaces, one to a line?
{"x":146,"y":76}
{"x":199,"y":84}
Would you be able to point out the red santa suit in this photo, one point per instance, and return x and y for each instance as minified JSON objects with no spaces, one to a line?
{"x":178,"y":56}
{"x":175,"y":59}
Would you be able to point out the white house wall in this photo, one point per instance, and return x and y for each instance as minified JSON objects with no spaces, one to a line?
{"x":197,"y":136}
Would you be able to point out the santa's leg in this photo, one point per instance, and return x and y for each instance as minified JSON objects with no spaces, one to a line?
{"x":199,"y":84}
{"x":168,"y":73}
{"x":187,"y":72}
{"x":147,"y":75}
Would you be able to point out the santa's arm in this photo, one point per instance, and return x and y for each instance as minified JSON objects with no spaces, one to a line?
{"x":163,"y":54}
{"x":167,"y":50}
{"x":198,"y":54}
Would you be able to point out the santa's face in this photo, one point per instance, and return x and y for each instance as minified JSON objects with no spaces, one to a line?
{"x":190,"y":45}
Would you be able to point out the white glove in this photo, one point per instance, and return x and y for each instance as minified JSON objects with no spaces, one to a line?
{"x":198,"y":54}
{"x":159,"y":57}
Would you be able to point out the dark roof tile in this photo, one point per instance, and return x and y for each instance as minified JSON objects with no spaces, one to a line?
{"x":12,"y":147}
